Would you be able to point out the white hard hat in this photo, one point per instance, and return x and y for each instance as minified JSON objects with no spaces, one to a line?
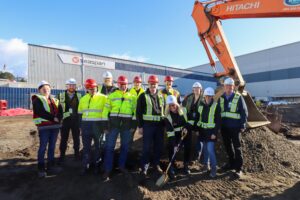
{"x":197,"y":84}
{"x":171,"y":100}
{"x":229,"y":81}
{"x":42,"y":83}
{"x":107,"y":74}
{"x":71,"y":81}
{"x":209,"y":92}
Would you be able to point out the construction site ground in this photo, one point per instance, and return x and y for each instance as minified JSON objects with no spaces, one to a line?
{"x":271,"y":170}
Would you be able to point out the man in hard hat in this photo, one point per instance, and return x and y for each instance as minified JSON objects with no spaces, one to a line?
{"x":136,"y":91}
{"x":234,"y":117}
{"x":191,"y":103}
{"x":47,"y":115}
{"x":118,"y":111}
{"x":149,"y":114}
{"x":209,"y":123}
{"x":69,"y":100}
{"x":169,"y":90}
{"x":107,"y":87}
{"x":176,"y":124}
{"x":92,"y":124}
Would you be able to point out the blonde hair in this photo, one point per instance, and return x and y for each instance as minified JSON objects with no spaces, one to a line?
{"x":179,"y":108}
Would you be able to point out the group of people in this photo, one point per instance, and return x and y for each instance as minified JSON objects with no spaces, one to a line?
{"x":106,"y":111}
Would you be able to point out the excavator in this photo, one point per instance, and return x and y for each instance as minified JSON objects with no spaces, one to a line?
{"x":208,"y":15}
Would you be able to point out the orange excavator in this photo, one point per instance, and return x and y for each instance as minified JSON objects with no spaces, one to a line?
{"x":208,"y":15}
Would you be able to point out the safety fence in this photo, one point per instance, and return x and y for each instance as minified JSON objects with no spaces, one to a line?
{"x":21,"y":97}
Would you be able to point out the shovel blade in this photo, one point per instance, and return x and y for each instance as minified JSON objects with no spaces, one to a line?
{"x":162,"y":180}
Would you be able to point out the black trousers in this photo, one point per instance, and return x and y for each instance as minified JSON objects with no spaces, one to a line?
{"x":187,"y":144}
{"x":73,"y":125}
{"x":232,"y":142}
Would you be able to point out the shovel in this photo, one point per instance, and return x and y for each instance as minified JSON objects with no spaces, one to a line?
{"x":165,"y":178}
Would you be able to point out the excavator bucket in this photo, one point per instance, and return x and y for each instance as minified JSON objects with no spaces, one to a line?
{"x":255,"y":117}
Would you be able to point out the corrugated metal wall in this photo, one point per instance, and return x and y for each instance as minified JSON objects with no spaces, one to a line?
{"x":20,"y":97}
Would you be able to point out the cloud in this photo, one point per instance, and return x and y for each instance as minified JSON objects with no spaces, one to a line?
{"x":14,"y":54}
{"x":127,"y":56}
{"x":58,"y":46}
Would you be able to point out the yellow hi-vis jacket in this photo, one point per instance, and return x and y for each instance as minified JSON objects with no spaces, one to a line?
{"x":119,"y":104}
{"x":136,"y":96}
{"x":91,"y":107}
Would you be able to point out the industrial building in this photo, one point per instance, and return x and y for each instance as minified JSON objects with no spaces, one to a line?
{"x":58,"y":65}
{"x":273,"y":72}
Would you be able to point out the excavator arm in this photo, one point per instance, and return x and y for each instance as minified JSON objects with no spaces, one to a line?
{"x":208,"y":15}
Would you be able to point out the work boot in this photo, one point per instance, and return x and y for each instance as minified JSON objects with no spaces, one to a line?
{"x":84,"y":171}
{"x":52,"y":169}
{"x":227,"y":167}
{"x":42,"y":173}
{"x":239,"y":174}
{"x":123,"y":170}
{"x":61,"y":160}
{"x":213,"y":172}
{"x":172,"y":173}
{"x":106,"y":176}
{"x":186,"y":169}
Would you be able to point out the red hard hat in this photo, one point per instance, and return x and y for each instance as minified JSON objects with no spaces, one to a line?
{"x":169,"y":78}
{"x":90,"y":84}
{"x":137,"y":79}
{"x":122,"y":80}
{"x":152,"y":79}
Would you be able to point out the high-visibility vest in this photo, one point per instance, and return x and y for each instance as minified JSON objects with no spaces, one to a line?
{"x":135,"y":96}
{"x":165,"y":93}
{"x":62,"y":101}
{"x":91,"y":107}
{"x":211,"y":117}
{"x":38,"y":120}
{"x":232,"y":113}
{"x":119,"y":104}
{"x":188,"y":106}
{"x":148,"y":116}
{"x":177,"y":128}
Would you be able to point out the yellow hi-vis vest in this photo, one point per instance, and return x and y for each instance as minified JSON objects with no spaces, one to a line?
{"x":188,"y":106}
{"x":91,"y":107}
{"x":171,"y":91}
{"x":62,"y":101}
{"x":119,"y":104}
{"x":233,"y":108}
{"x":149,"y":116}
{"x":43,"y":99}
{"x":135,"y":97}
{"x":211,"y":117}
{"x":176,"y":129}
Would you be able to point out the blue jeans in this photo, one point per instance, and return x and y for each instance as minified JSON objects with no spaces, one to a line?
{"x":48,"y":138}
{"x":110,"y":144}
{"x":91,"y":130}
{"x":152,"y":135}
{"x":210,"y":155}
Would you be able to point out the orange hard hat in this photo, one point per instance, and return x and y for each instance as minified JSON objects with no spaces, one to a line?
{"x":122,"y":80}
{"x":90,"y":84}
{"x":152,"y":79}
{"x":137,"y":79}
{"x":169,"y":78}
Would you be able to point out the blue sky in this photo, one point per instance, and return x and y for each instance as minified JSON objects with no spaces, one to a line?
{"x":157,"y":31}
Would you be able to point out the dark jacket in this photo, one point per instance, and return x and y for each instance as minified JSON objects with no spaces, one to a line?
{"x":71,"y":103}
{"x":191,"y":107}
{"x":205,"y":134}
{"x":241,"y":109}
{"x":177,"y":121}
{"x":39,"y":111}
{"x":141,"y":108}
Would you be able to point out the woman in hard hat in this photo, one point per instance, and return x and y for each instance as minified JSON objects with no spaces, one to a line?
{"x":47,"y":115}
{"x":209,"y":121}
{"x":176,"y":122}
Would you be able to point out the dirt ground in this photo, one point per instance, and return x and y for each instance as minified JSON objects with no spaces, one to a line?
{"x":271,"y":171}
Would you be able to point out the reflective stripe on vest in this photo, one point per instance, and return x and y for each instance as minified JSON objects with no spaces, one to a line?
{"x":62,"y":101}
{"x":211,"y":117}
{"x":177,"y":129}
{"x":233,"y":108}
{"x":148,"y":116}
{"x":39,"y":120}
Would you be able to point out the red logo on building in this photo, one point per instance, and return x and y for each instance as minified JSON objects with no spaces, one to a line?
{"x":75,"y":59}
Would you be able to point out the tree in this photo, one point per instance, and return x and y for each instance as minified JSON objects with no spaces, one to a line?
{"x":7,"y":75}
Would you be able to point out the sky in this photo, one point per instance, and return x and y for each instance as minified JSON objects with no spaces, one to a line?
{"x":159,"y":31}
